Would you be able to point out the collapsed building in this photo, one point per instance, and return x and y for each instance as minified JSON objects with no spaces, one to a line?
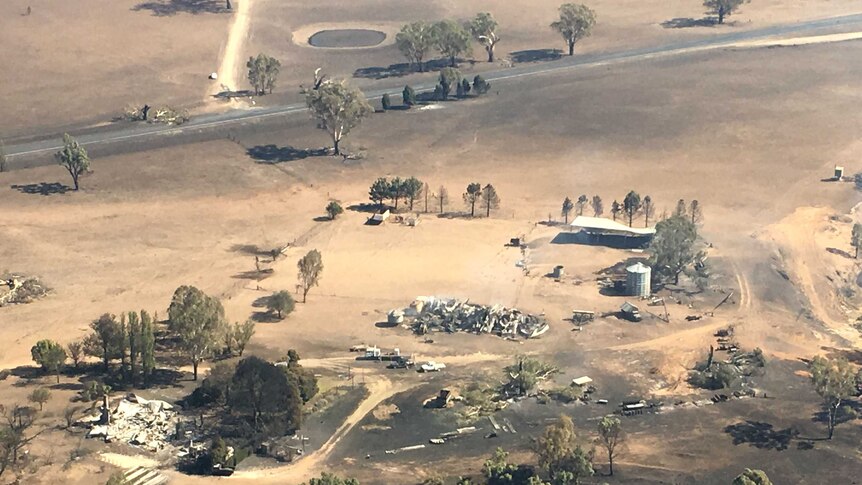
{"x":433,"y":314}
{"x":149,"y":424}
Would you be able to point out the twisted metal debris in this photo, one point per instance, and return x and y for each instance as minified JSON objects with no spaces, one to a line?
{"x":451,"y":315}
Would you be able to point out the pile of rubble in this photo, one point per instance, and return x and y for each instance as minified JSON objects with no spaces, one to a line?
{"x":148,"y":424}
{"x":451,"y":315}
{"x":15,"y":288}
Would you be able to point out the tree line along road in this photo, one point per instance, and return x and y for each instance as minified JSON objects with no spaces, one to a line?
{"x":33,"y":153}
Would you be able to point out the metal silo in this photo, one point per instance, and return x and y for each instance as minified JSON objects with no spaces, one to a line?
{"x":638,"y":280}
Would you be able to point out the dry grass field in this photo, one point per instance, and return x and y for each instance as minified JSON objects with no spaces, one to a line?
{"x":750,"y":133}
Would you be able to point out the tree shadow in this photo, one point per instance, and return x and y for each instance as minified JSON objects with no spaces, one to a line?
{"x":843,"y":415}
{"x":458,"y":215}
{"x":168,"y":8}
{"x":688,"y":22}
{"x":761,"y":435}
{"x":607,"y":240}
{"x":399,"y":70}
{"x":250,"y":249}
{"x":275,"y":154}
{"x":322,"y":219}
{"x":840,"y":252}
{"x":364,"y":207}
{"x":228,"y":94}
{"x":535,"y":55}
{"x":261,"y":275}
{"x":67,"y":386}
{"x":42,"y":188}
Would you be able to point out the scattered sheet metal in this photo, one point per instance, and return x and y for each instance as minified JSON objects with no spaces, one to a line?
{"x":430,"y":314}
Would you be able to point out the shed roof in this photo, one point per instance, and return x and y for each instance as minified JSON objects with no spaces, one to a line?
{"x":600,"y":224}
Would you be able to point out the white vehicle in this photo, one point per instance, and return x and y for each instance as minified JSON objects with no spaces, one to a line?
{"x":432,"y":366}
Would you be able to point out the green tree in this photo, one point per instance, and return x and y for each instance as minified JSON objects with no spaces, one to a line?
{"x":73,"y":157}
{"x":451,"y":40}
{"x":449,"y":76}
{"x":263,"y":393}
{"x":218,"y":451}
{"x":385,"y":102}
{"x":334,"y":209}
{"x":396,"y":191}
{"x":414,"y":41}
{"x":579,"y":206}
{"x":106,"y":340}
{"x":465,"y":87}
{"x":39,"y":396}
{"x":408,"y":96}
{"x":490,"y":199}
{"x":281,"y":303}
{"x":338,"y":109}
{"x":50,"y":355}
{"x":610,"y":436}
{"x":632,"y":205}
{"x":473,"y":195}
{"x":412,"y":190}
{"x":242,"y":333}
{"x":556,"y":445}
{"x":498,"y":470}
{"x":262,"y":73}
{"x":524,"y":374}
{"x":856,"y":238}
{"x":483,"y":28}
{"x":330,"y":479}
{"x":148,"y":346}
{"x":598,"y":206}
{"x":722,"y":8}
{"x":134,"y":336}
{"x":310,"y":269}
{"x":752,"y":477}
{"x":302,"y":378}
{"x":835,"y":382}
{"x":480,"y":85}
{"x":379,"y":191}
{"x":673,"y":248}
{"x":199,"y":322}
{"x":576,"y":22}
{"x":568,"y":205}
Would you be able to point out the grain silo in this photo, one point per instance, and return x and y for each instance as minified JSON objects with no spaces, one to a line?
{"x":638,"y":280}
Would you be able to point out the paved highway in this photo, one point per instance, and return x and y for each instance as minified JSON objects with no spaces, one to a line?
{"x":149,"y":132}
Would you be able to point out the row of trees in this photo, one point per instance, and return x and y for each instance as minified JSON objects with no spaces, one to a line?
{"x":412,"y":189}
{"x":451,"y":39}
{"x":633,"y":206}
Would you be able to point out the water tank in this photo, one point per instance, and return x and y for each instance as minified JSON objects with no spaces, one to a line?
{"x":638,"y":280}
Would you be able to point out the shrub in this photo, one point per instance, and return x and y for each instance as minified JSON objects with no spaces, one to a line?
{"x":385,"y":102}
{"x":480,"y":86}
{"x":334,"y":209}
{"x":408,"y":96}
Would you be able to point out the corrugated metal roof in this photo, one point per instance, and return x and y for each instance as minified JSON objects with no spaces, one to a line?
{"x":602,"y":224}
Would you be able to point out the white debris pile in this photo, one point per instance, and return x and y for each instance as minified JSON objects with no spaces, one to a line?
{"x":451,"y":315}
{"x":16,"y":288}
{"x":148,"y":424}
